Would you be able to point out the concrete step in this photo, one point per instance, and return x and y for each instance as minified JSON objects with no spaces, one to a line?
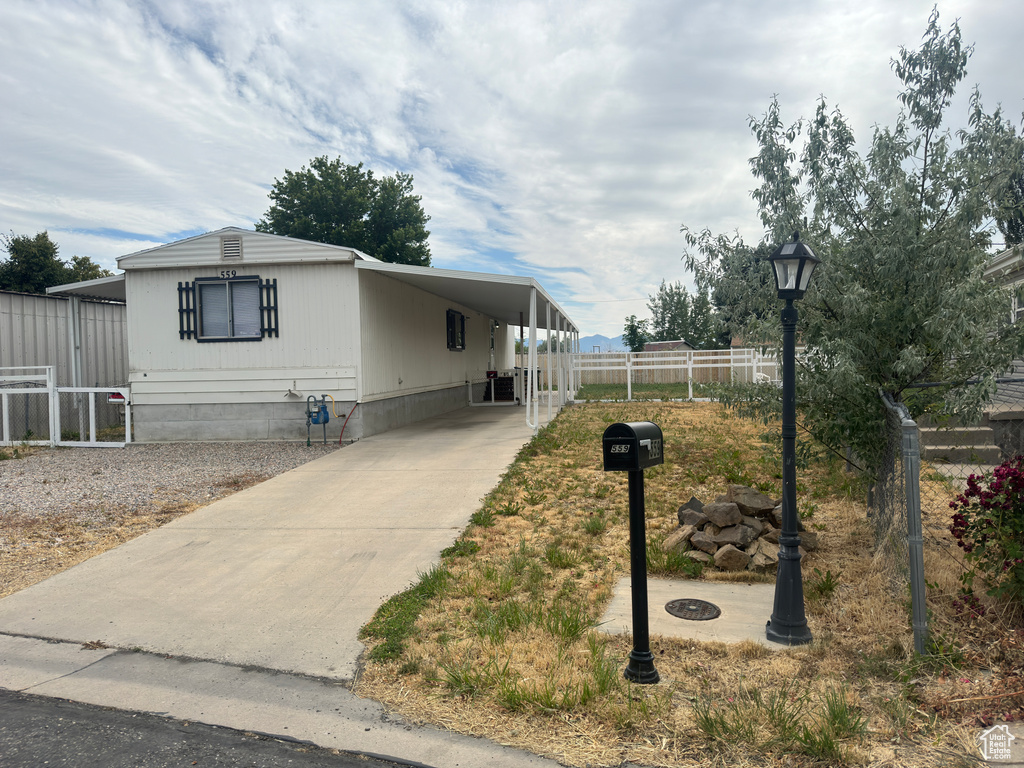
{"x":958,"y":436}
{"x":963,"y":454}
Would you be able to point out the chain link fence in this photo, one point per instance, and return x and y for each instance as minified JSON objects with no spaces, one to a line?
{"x":925,"y":466}
{"x":76,"y":420}
{"x":895,"y":511}
{"x":27,"y":413}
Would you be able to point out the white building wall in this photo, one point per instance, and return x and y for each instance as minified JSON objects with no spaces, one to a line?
{"x":183,"y":389}
{"x":505,"y":348}
{"x":315,"y":349}
{"x":404,"y":340}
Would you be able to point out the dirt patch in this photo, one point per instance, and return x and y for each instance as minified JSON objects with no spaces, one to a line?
{"x":59,"y":507}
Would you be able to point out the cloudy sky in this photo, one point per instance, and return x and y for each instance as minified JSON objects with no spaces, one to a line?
{"x":564,"y":140}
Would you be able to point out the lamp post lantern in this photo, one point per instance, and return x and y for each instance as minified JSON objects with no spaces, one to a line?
{"x":793,"y":264}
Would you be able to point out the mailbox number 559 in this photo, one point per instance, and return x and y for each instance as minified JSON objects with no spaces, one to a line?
{"x":620,"y":448}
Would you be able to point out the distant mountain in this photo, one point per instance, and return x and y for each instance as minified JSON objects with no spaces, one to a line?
{"x":587,"y":343}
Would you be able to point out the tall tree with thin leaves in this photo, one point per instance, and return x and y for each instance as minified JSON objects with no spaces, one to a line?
{"x":904,"y":232}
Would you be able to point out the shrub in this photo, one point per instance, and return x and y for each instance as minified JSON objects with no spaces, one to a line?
{"x":988,"y":525}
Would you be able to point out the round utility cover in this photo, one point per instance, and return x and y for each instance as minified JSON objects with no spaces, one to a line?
{"x":693,"y":610}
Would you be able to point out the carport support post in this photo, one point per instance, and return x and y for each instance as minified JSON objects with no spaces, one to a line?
{"x":558,"y":358}
{"x":547,"y":335}
{"x":641,"y":661}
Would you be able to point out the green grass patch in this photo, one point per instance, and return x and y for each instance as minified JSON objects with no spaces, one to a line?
{"x":783,"y":719}
{"x":671,"y":562}
{"x":461,"y":548}
{"x":395,"y":621}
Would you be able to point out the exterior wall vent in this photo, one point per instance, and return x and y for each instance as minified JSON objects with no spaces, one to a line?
{"x":231,"y":247}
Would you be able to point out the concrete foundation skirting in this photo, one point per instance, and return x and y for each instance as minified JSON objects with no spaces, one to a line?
{"x":286,"y":420}
{"x":385,"y":415}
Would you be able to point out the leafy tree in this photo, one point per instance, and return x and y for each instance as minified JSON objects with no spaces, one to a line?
{"x":670,"y":312}
{"x":1010,"y":216}
{"x":332,"y":202}
{"x":903,"y":232}
{"x":396,"y":227}
{"x":33,"y":264}
{"x":635,"y":334}
{"x":676,"y":314}
{"x":553,"y":344}
{"x":82,"y":268}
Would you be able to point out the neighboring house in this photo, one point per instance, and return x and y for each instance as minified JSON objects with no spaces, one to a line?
{"x":667,"y":346}
{"x":1007,"y":268}
{"x":229,"y":333}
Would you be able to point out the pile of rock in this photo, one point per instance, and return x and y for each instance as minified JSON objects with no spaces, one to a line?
{"x":738,"y":531}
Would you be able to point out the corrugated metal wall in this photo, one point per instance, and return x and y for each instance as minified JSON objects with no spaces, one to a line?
{"x":34,"y":331}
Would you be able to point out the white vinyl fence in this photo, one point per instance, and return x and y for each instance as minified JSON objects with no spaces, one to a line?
{"x":693,"y":366}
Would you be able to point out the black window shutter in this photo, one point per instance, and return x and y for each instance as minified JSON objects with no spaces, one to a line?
{"x":268,"y":307}
{"x":186,"y":310}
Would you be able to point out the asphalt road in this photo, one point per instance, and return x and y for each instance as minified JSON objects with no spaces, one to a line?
{"x":40,"y":731}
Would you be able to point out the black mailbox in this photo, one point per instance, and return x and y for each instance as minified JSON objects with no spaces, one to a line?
{"x":632,"y":446}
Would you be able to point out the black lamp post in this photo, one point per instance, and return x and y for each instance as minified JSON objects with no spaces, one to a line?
{"x":793,"y":264}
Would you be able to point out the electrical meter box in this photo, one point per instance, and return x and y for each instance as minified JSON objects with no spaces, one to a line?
{"x":633,"y":446}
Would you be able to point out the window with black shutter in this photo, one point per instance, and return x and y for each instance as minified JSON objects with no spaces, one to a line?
{"x":227,"y":309}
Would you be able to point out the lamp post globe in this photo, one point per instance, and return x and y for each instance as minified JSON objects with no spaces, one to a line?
{"x":793,"y":263}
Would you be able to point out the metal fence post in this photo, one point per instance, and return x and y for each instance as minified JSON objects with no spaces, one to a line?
{"x":915,"y":540}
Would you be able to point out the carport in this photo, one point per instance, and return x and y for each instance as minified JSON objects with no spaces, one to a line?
{"x":513,"y":300}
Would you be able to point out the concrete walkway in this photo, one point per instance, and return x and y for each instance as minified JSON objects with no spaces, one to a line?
{"x":275,"y":579}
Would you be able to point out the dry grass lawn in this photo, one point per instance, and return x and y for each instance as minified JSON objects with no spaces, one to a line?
{"x":504,"y":642}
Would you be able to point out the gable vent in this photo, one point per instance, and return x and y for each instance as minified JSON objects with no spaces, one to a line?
{"x":231,"y":247}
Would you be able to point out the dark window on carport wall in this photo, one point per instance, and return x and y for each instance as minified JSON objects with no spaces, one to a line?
{"x":456,"y":327}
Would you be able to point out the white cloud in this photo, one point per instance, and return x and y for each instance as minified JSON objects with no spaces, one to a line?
{"x":565,"y":139}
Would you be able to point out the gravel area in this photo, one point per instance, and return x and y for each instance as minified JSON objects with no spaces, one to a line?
{"x":88,"y":482}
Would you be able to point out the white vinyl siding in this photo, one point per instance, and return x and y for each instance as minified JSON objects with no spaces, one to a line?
{"x":257,"y":248}
{"x":316,"y":347}
{"x":404,"y":339}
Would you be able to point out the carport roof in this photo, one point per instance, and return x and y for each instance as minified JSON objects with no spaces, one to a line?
{"x":103,"y":288}
{"x":502,"y":297}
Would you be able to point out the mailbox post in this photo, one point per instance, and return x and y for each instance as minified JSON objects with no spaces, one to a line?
{"x":632,"y":447}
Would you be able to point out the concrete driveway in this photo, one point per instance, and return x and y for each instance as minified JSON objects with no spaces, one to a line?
{"x":281,"y":576}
